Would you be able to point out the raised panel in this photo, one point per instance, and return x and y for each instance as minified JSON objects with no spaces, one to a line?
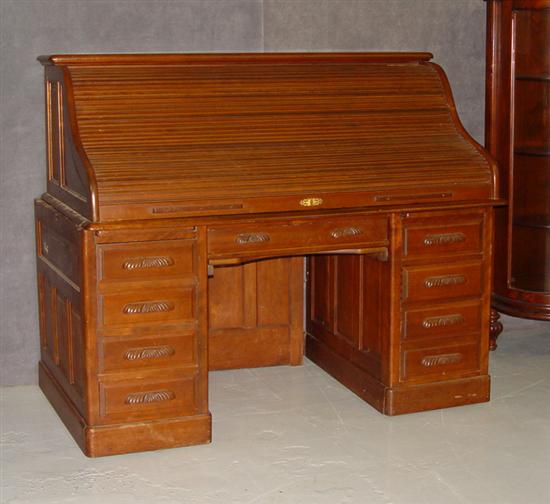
{"x":322,"y":290}
{"x":78,"y":361}
{"x":226,"y":298}
{"x":59,"y":251}
{"x":273,"y":285}
{"x":50,"y":322}
{"x":64,"y":338}
{"x":54,"y":131}
{"x":348,"y":315}
{"x":376,"y":301}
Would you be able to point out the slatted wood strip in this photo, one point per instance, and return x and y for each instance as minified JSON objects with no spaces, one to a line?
{"x":226,"y":130}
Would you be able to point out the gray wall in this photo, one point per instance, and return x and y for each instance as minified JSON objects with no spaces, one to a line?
{"x":454,"y":30}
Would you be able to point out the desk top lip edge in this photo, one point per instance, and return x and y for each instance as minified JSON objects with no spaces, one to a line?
{"x":224,"y":58}
{"x":266,"y":216}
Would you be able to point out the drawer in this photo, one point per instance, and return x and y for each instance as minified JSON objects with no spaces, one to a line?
{"x":439,"y":362}
{"x":447,"y":321}
{"x":431,"y":283}
{"x":424,"y":238}
{"x":313,"y":234}
{"x":158,"y":350}
{"x":145,"y":307}
{"x":144,"y":398}
{"x":146,"y":260}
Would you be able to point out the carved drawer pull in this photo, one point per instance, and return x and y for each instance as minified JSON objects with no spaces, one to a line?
{"x":148,"y":353}
{"x":136,"y":263}
{"x":345,"y":232}
{"x":150,"y":307}
{"x":443,"y":321}
{"x":149,"y":397}
{"x":441,"y":360}
{"x":244,"y":238}
{"x":444,"y":281}
{"x":444,"y":239}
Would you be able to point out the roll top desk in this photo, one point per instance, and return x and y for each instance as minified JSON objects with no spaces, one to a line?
{"x":183,"y":193}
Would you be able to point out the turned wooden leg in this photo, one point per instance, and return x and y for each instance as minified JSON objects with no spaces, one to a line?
{"x":495,"y":329}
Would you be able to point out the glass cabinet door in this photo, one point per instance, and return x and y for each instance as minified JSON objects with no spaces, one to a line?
{"x":530,"y":222}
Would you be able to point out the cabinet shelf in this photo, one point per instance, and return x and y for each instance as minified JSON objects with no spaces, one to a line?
{"x":533,"y":221}
{"x":533,"y":77}
{"x":531,"y":151}
{"x":532,"y":283}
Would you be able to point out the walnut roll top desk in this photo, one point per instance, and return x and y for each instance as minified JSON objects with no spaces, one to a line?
{"x":183,"y":193}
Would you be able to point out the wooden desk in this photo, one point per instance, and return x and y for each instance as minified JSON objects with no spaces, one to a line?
{"x":183,"y":193}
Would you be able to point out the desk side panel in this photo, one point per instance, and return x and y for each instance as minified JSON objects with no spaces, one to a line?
{"x":70,"y":178}
{"x":59,"y":246}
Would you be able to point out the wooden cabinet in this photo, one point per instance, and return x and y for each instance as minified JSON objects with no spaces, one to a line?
{"x":518,"y":136}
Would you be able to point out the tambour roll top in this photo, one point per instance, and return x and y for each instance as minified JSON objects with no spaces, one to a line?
{"x":156,"y":136}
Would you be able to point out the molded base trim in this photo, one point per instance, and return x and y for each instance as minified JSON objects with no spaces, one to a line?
{"x":402,"y":399}
{"x":128,"y":437}
{"x":521,"y":308}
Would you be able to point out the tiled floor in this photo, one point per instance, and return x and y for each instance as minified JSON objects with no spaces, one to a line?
{"x":294,"y":435}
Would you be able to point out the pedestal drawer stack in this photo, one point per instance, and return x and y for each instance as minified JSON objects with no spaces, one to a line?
{"x":147,"y":329}
{"x":442,"y":292}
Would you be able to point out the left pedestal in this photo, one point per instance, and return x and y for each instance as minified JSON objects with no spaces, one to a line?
{"x":123,"y":332}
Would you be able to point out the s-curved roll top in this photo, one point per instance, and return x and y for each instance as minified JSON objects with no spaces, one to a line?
{"x":156,"y":136}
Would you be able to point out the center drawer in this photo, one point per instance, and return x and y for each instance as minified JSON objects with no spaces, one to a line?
{"x":315,"y":234}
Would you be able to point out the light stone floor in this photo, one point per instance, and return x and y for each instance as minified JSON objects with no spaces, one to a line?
{"x":295,"y":435}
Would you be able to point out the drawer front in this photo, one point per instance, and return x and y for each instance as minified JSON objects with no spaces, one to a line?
{"x":147,"y":398}
{"x":451,"y":320}
{"x":146,"y":261}
{"x":436,"y":363}
{"x":429,"y":283}
{"x":324,"y":234}
{"x":144,"y":307}
{"x":153,"y":351}
{"x":424,"y":239}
